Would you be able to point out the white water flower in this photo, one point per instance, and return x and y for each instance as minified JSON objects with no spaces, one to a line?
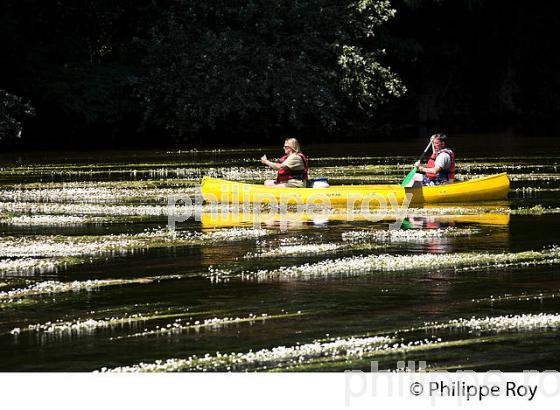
{"x":523,"y":297}
{"x":337,"y":349}
{"x":30,"y":265}
{"x":40,"y":253}
{"x":55,"y":220}
{"x":535,"y":210}
{"x":407,"y":235}
{"x":29,"y":247}
{"x":50,"y":287}
{"x":212,"y":323}
{"x":535,"y":177}
{"x":83,"y":195}
{"x":280,"y":356}
{"x":357,"y":265}
{"x":502,"y":323}
{"x":85,"y":209}
{"x":293,"y":250}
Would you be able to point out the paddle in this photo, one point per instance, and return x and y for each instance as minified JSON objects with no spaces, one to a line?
{"x":413,"y":171}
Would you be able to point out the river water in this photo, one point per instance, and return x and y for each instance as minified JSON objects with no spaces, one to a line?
{"x":91,"y":279}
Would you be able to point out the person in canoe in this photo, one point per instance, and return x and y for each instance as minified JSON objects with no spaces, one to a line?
{"x":441,"y":165}
{"x":292,"y":169}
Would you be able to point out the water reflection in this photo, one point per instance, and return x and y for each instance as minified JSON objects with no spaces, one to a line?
{"x":418,"y":218}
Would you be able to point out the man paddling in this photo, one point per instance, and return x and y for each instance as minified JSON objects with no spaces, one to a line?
{"x":292,"y":169}
{"x":441,"y":165}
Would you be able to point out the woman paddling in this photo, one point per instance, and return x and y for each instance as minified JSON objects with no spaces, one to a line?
{"x":441,"y":165}
{"x":292,"y":169}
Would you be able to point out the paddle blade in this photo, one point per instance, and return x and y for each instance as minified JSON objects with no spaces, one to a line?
{"x":409,"y":177}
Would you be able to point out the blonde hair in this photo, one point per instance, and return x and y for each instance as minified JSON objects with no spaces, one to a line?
{"x":292,"y":143}
{"x":440,"y":136}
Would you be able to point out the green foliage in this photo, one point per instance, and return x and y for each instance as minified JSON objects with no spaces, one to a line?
{"x":75,"y":60}
{"x":265,"y":64}
{"x":238,"y":71}
{"x":12,"y":110}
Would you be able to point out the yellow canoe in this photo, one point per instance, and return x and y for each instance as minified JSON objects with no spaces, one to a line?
{"x":490,"y":188}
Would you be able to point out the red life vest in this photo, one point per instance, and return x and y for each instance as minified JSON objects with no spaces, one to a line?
{"x":443,"y":174}
{"x":287,"y":174}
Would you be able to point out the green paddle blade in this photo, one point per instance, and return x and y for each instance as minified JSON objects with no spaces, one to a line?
{"x":406,"y":224}
{"x":409,"y":177}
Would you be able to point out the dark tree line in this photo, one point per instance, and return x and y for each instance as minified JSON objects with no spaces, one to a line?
{"x":477,"y":65}
{"x":134,"y":73}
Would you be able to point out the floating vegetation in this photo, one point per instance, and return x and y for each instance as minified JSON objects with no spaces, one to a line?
{"x":297,"y":246}
{"x":523,"y":297}
{"x":87,"y":326}
{"x":502,"y":323}
{"x":148,"y":186}
{"x":40,"y":253}
{"x":358,"y":265}
{"x":293,"y":250}
{"x":346,"y":348}
{"x":30,"y":265}
{"x":280,"y":356}
{"x":232,"y":234}
{"x":535,"y":210}
{"x":50,"y":287}
{"x":95,"y":171}
{"x":413,"y":235}
{"x":76,"y":327}
{"x":84,"y":209}
{"x":535,"y":177}
{"x":493,"y":167}
{"x":60,"y":246}
{"x":179,"y":326}
{"x":92,"y":195}
{"x":52,"y":220}
{"x":531,"y":190}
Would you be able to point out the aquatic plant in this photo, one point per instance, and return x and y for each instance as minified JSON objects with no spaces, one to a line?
{"x":52,"y":220}
{"x":90,"y":324}
{"x":180,"y":326}
{"x":293,"y":250}
{"x":340,"y":348}
{"x":276,"y":357}
{"x":84,"y":209}
{"x":407,"y":235}
{"x":83,"y":195}
{"x":358,"y":265}
{"x":44,"y":253}
{"x":535,"y":210}
{"x":502,"y":323}
{"x":51,"y":287}
{"x":535,"y":177}
{"x":523,"y":297}
{"x":29,"y":265}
